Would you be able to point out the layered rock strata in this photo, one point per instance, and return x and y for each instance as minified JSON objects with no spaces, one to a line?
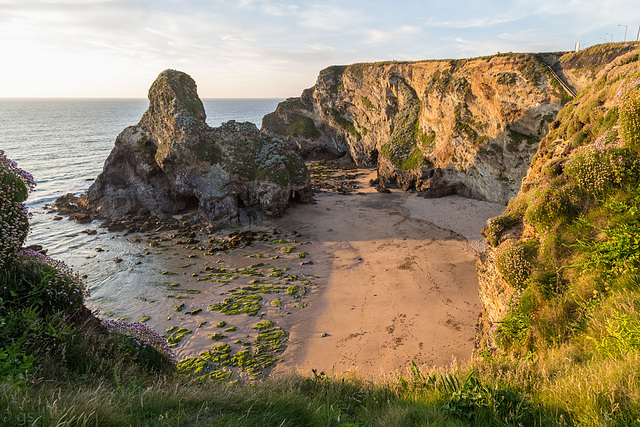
{"x":463,"y":126}
{"x":172,"y":162}
{"x":468,"y":126}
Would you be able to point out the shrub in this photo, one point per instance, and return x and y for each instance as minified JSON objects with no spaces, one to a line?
{"x":15,"y":185}
{"x":596,"y":169}
{"x":549,"y":205}
{"x":33,"y":279}
{"x":304,"y":126}
{"x":142,"y":343}
{"x":513,"y":330}
{"x":615,"y":252}
{"x":629,"y":115}
{"x":513,"y":260}
{"x":622,"y":335}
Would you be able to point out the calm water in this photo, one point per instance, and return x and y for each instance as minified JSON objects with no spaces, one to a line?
{"x":64,"y":144}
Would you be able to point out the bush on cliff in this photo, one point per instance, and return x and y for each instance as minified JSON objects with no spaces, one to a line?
{"x":576,"y":297}
{"x":46,"y":332}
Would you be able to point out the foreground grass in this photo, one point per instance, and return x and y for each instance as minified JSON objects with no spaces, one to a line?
{"x":290,"y":401}
{"x":560,"y":390}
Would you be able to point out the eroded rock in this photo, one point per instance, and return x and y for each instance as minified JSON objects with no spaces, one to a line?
{"x":476,"y":122}
{"x":172,"y":162}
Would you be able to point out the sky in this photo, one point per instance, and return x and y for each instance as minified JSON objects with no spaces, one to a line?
{"x":271,"y":48}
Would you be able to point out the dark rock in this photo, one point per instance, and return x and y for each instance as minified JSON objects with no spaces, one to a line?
{"x":66,"y":205}
{"x":82,"y":218}
{"x":382,"y":189}
{"x":116,"y":227}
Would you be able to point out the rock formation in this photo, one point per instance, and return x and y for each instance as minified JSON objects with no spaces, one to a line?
{"x":468,"y":126}
{"x":173,"y":161}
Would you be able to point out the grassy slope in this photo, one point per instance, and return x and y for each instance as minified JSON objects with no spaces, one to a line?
{"x":569,"y":346}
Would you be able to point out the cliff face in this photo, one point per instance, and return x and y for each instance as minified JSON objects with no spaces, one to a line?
{"x":172,"y":161}
{"x":465,"y":126}
{"x":567,"y":240}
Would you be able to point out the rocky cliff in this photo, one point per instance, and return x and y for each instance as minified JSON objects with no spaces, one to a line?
{"x":477,"y":127}
{"x":172,"y":161}
{"x":567,"y":246}
{"x":466,"y":126}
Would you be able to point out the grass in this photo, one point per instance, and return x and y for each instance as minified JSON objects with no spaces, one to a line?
{"x":288,"y":401}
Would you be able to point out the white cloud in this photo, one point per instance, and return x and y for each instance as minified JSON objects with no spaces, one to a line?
{"x":121,"y":44}
{"x":328,"y":17}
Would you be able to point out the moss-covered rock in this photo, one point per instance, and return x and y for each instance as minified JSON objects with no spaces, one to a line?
{"x":173,"y":161}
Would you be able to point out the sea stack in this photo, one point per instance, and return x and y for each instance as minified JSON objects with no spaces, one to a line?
{"x":172,"y":162}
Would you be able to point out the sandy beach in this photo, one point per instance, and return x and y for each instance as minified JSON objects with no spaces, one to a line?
{"x":358,"y":281}
{"x":396,"y":288}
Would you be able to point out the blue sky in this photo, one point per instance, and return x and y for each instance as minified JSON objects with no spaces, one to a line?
{"x":270,"y":48}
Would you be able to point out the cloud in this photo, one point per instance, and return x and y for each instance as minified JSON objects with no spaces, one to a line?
{"x":224,"y":42}
{"x":328,"y":17}
{"x":375,"y":36}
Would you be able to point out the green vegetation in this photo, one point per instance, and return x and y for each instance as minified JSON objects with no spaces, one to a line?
{"x":304,"y":126}
{"x":465,"y":125}
{"x":402,"y":149}
{"x":248,"y":304}
{"x":572,"y":256}
{"x":46,"y":333}
{"x":345,"y":124}
{"x":507,"y":78}
{"x":367,"y":103}
{"x":267,"y":159}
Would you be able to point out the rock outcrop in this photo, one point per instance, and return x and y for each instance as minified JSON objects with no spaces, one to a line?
{"x":463,"y":126}
{"x":172,"y":161}
{"x":468,"y":126}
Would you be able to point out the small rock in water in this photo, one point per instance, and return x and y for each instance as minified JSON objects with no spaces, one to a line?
{"x":117,"y":260}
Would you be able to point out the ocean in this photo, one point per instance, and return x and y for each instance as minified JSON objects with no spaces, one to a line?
{"x":63,"y":143}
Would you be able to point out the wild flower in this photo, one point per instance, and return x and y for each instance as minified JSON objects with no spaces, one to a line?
{"x":597,"y":167}
{"x":63,"y":288}
{"x":512,"y":262}
{"x":629,"y":113}
{"x":616,"y":68}
{"x":15,"y":185}
{"x":142,"y":335}
{"x":547,"y":205}
{"x":493,"y":230}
